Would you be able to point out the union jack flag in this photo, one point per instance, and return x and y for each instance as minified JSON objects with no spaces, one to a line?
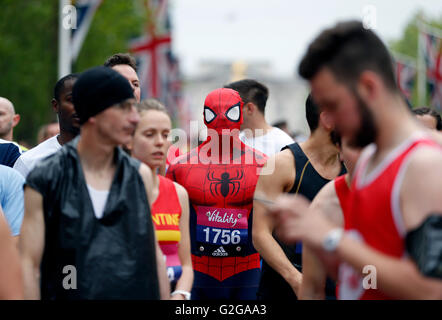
{"x":405,"y":76}
{"x":158,"y":67}
{"x":433,"y":61}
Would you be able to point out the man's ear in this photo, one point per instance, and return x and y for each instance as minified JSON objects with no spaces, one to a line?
{"x":54,"y":105}
{"x":327,"y":120}
{"x":249,"y":108}
{"x":15,"y":120}
{"x":368,"y":86}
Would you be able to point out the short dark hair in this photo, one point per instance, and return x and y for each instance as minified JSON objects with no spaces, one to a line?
{"x":347,"y":50}
{"x":251,"y":91}
{"x":312,"y":113}
{"x":59,"y":86}
{"x":425,"y":110}
{"x":121,"y":58}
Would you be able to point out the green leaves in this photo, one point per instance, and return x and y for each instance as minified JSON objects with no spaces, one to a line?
{"x":29,"y":52}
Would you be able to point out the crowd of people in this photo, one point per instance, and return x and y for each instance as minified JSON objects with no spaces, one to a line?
{"x":104,"y":207}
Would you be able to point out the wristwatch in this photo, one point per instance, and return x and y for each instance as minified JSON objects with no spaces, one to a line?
{"x":331,"y":240}
{"x":185,"y":294}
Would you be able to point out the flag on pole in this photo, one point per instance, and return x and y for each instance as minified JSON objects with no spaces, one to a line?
{"x":72,"y":35}
{"x":85,"y":13}
{"x":159,"y":70}
{"x":433,"y":62}
{"x":406,"y":72}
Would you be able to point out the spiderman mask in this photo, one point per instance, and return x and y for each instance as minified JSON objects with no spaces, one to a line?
{"x":223,"y":110}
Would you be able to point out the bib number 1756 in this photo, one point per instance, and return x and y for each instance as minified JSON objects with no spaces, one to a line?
{"x":222,"y":236}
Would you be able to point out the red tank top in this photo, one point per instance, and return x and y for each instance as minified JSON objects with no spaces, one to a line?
{"x":375,"y":217}
{"x":343,"y":193}
{"x":166,"y":214}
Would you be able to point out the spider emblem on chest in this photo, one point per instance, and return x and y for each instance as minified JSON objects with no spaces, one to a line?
{"x":225,"y":184}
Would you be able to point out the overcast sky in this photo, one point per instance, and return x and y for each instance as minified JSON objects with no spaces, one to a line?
{"x":276,"y":31}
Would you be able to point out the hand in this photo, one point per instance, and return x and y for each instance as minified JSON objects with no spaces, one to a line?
{"x":295,"y":222}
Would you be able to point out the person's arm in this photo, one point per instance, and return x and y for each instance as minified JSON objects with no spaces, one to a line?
{"x":31,"y":242}
{"x":313,"y":276}
{"x":314,"y":269}
{"x":163,"y":280}
{"x":14,"y":202}
{"x":397,"y":278}
{"x":270,"y":186}
{"x":11,"y":280}
{"x":186,"y":280}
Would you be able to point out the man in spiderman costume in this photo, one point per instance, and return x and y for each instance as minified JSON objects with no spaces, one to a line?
{"x":220,"y":176}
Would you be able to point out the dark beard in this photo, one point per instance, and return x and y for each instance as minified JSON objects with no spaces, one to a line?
{"x":367,"y":132}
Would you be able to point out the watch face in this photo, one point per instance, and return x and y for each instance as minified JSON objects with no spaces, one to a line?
{"x":332,"y":239}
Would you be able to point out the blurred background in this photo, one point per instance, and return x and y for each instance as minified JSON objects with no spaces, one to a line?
{"x":186,"y":48}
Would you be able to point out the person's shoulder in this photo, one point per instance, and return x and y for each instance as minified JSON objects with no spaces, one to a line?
{"x":327,"y":195}
{"x":326,"y":202}
{"x":8,"y":174}
{"x":280,"y":165}
{"x":285,"y":157}
{"x":426,"y":158}
{"x":7,"y":143}
{"x":9,"y":147}
{"x":422,"y":168}
{"x":180,"y":190}
{"x":41,"y":151}
{"x":49,"y":165}
{"x":281,"y":136}
{"x":144,"y":171}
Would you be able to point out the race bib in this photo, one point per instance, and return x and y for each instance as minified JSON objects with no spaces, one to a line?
{"x":221,"y":232}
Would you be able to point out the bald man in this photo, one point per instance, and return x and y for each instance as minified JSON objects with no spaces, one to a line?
{"x":8,"y":119}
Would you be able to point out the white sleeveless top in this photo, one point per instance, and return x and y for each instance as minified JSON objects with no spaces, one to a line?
{"x":99,"y":198}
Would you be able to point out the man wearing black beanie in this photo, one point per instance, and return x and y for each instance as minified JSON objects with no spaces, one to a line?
{"x":87,"y":228}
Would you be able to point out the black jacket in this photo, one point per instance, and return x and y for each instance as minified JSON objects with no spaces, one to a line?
{"x":114,"y":257}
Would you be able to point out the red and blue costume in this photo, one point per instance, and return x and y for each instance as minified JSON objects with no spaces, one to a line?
{"x":220,"y":177}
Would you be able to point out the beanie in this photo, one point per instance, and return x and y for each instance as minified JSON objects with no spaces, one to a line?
{"x":98,"y":89}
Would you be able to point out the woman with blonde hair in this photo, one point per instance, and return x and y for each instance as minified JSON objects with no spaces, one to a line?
{"x":170,"y":207}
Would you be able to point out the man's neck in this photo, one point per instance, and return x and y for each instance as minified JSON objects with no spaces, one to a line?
{"x":64,"y":137}
{"x":320,"y":148}
{"x":94,"y":154}
{"x":7,"y":136}
{"x":394,"y":125}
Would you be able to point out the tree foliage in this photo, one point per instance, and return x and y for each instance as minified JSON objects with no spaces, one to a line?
{"x":29,"y":50}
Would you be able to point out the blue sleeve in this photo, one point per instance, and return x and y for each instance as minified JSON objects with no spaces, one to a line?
{"x":13,"y":154}
{"x":13,"y":199}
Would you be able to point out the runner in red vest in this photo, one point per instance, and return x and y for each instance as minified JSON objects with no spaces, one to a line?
{"x":391,"y":241}
{"x":170,"y":208}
